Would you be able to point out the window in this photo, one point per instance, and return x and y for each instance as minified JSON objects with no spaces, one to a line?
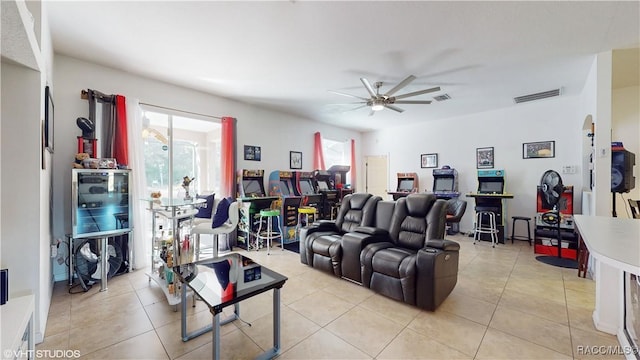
{"x":194,"y":145}
{"x":336,"y":153}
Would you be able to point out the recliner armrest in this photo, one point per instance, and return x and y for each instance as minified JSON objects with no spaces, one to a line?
{"x":443,"y":244}
{"x":370,"y":230}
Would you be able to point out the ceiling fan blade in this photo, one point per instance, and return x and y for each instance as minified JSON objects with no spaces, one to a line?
{"x":349,"y":95}
{"x":413,"y":102}
{"x":394,"y":108}
{"x":415,"y":93}
{"x":355,"y":108}
{"x":402,"y":84}
{"x":367,"y":85}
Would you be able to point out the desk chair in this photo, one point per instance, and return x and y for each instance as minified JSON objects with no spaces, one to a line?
{"x":635,"y":208}
{"x":455,"y":210}
{"x":226,"y":228}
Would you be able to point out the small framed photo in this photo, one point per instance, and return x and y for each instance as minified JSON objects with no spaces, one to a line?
{"x":252,"y":153}
{"x":48,"y":119}
{"x":428,"y":161}
{"x":540,"y":149}
{"x":295,"y":160}
{"x":484,"y":158}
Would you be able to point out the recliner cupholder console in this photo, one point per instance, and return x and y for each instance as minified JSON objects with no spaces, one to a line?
{"x":396,"y":248}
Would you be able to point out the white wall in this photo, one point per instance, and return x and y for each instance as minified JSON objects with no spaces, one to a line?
{"x":24,"y":235}
{"x":455,"y":141}
{"x":625,"y":123}
{"x":276,"y":133}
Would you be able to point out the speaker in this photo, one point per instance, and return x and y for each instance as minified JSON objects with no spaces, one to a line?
{"x":622,"y":179}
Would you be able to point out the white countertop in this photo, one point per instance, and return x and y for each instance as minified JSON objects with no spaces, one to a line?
{"x":612,"y":240}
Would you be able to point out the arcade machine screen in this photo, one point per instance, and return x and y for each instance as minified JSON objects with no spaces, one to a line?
{"x":443,"y":184}
{"x":490,"y":187}
{"x":405,"y":185}
{"x":252,"y":188}
{"x":285,"y":189}
{"x":306,"y":187}
{"x":322,"y":185}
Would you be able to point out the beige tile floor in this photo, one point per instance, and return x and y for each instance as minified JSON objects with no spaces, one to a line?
{"x":506,"y":305}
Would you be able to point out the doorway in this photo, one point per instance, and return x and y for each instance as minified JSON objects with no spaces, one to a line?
{"x":377,"y":175}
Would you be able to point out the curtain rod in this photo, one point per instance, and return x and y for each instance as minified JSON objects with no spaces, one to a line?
{"x":182,"y":111}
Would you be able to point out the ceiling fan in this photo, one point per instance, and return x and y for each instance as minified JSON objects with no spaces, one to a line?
{"x":378,"y":101}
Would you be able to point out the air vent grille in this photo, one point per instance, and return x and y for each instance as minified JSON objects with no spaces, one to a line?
{"x":442,"y":97}
{"x":537,"y":96}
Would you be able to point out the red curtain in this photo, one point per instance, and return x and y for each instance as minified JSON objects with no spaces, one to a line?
{"x":353,"y":164}
{"x":228,"y":165}
{"x":318,"y":157}
{"x":120,"y":146}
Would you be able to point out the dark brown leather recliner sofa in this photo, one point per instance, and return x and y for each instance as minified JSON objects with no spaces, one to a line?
{"x":321,"y":247}
{"x":401,"y":254}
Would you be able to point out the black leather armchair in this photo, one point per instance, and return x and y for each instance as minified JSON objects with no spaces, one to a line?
{"x":320,"y":244}
{"x":414,"y":264}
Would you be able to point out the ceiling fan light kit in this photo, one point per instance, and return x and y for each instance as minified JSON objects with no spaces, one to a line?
{"x":377,"y":101}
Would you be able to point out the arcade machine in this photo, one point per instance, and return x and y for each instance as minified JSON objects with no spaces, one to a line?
{"x":311,"y":198}
{"x":339,"y":180}
{"x":282,"y":185}
{"x":445,"y":183}
{"x":407,"y":184}
{"x":490,"y":197}
{"x":329,"y":195}
{"x":546,"y":236}
{"x":251,"y":199}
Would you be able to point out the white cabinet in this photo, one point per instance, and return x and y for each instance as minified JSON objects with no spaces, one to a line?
{"x":17,"y":341}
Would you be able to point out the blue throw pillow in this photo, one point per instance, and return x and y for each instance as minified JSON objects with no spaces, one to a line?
{"x":206,"y":209}
{"x":222,"y":213}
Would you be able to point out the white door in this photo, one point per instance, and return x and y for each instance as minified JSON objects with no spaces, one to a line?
{"x":376,"y":175}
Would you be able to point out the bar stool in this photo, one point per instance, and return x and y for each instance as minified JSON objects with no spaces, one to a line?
{"x":306,"y":211}
{"x":268,"y":216}
{"x":513,"y":229}
{"x":485,"y":224}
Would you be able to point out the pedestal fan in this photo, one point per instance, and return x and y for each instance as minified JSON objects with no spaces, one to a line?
{"x":552,"y":189}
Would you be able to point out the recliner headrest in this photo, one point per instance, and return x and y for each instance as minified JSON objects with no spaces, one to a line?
{"x":357,"y":201}
{"x":418,"y":205}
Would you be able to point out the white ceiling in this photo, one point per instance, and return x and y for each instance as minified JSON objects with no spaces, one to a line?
{"x":288,"y":54}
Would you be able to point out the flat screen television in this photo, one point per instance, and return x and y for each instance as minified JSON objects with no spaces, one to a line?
{"x":490,"y":187}
{"x":306,"y":187}
{"x":252,"y":188}
{"x":101,"y":205}
{"x":443,"y":184}
{"x":405,"y":185}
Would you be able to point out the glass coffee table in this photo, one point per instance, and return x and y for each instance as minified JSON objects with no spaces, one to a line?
{"x":226,"y":281}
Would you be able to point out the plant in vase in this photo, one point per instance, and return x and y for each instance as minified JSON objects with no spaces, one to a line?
{"x":186,"y":181}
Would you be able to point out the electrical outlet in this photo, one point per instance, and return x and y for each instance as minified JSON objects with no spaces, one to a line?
{"x":54,"y":251}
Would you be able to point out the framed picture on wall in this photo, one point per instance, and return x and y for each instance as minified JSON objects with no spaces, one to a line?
{"x":48,"y":119}
{"x":253,"y":153}
{"x":484,"y":158}
{"x":541,"y":149}
{"x":428,"y":160}
{"x":295,"y":160}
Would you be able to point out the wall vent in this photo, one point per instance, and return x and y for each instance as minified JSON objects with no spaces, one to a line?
{"x":442,"y":97}
{"x":537,"y":96}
